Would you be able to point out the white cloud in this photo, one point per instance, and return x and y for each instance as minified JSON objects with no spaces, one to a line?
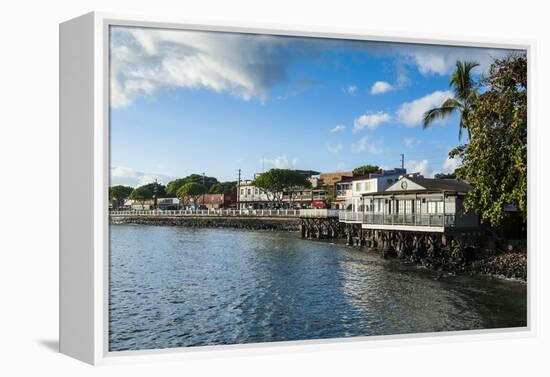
{"x":402,"y":78}
{"x":282,"y":162}
{"x":422,"y":167}
{"x":144,"y":61}
{"x":338,"y":128}
{"x":441,"y":60}
{"x":380,"y":87}
{"x":350,"y":89}
{"x":364,"y":144}
{"x":122,"y":175}
{"x":370,"y":121}
{"x":450,"y":164}
{"x":334,"y":148}
{"x":412,"y":113}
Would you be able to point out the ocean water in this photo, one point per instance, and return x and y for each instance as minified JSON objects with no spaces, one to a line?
{"x":182,"y":287}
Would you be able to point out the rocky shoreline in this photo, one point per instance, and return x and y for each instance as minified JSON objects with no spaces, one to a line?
{"x":508,"y":264}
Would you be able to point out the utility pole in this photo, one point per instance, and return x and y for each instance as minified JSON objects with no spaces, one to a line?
{"x":155,"y":191}
{"x":239,"y":191}
{"x":402,"y":161}
{"x":204,"y":187}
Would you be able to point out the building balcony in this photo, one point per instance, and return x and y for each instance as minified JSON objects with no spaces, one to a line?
{"x":319,"y":213}
{"x":399,"y":221}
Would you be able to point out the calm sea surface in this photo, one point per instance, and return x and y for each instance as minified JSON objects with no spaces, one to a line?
{"x":173,"y":287}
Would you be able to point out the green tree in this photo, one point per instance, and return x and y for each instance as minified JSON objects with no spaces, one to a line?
{"x":118,"y":194}
{"x":276,"y":182}
{"x":495,"y":159}
{"x":173,"y":186}
{"x":146,"y":192}
{"x":329,"y":197}
{"x":191,"y":192}
{"x":141,"y":194}
{"x":465,"y":96}
{"x":362,"y":170}
{"x":223,"y":188}
{"x":216,"y":189}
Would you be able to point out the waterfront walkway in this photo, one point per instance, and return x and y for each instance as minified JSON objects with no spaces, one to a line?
{"x":295,"y":213}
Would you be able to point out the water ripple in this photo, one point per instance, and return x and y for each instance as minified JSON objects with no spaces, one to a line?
{"x":173,"y":287}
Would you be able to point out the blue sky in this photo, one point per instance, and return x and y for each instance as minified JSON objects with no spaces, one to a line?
{"x":187,"y":102}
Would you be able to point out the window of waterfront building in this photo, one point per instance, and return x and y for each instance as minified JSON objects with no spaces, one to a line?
{"x":435,"y":207}
{"x":242,"y":191}
{"x":249,"y":191}
{"x":408,"y":206}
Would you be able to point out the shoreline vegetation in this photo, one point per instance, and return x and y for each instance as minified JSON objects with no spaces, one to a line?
{"x":498,"y":258}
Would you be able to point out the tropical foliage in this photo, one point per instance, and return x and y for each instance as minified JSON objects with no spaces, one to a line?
{"x":495,"y":159}
{"x":465,"y":96}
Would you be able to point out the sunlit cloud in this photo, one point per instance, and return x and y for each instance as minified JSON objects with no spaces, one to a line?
{"x":337,"y":128}
{"x":281,"y":162}
{"x":122,"y":175}
{"x":411,"y":113}
{"x":370,"y":121}
{"x":380,"y":87}
{"x":422,"y":166}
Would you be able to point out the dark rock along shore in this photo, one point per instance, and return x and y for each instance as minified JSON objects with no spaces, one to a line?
{"x":510,"y":264}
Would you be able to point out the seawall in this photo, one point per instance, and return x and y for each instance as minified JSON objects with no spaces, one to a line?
{"x":236,"y":222}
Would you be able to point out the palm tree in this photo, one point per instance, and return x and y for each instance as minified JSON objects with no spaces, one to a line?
{"x":465,"y":95}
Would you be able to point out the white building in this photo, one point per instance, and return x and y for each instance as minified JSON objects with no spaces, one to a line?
{"x":349,"y":190}
{"x":249,"y":196}
{"x":415,"y":203}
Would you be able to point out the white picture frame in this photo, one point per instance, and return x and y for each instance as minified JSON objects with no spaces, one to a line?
{"x":84,"y":177}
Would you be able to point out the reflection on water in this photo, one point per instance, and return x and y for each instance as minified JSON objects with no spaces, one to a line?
{"x":173,"y":287}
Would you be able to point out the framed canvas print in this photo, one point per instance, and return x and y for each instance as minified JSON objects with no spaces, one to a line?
{"x":252,"y":186}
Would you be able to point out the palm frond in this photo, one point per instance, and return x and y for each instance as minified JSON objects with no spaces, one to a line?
{"x":432,"y":115}
{"x":451,"y":102}
{"x":461,"y":80}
